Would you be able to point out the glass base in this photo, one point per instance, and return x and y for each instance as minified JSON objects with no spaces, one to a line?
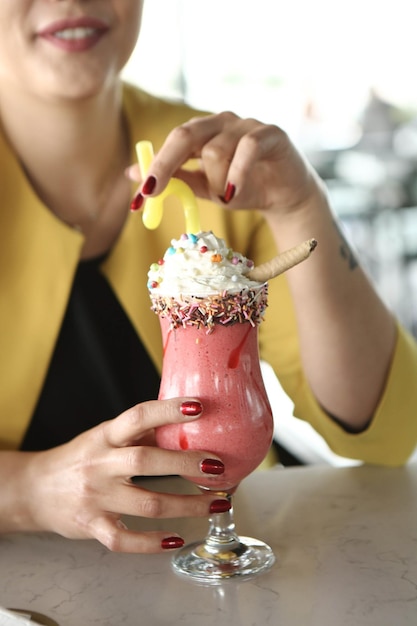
{"x":209,"y":564}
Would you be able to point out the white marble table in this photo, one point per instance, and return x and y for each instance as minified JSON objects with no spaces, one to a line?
{"x":346,"y":546}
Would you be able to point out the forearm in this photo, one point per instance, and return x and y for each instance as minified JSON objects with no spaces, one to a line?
{"x":347,"y":335}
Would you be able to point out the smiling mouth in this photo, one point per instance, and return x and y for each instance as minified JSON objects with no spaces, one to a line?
{"x":75,"y":37}
{"x":70,"y":34}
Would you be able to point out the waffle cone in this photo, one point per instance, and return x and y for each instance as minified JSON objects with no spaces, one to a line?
{"x":282,"y":262}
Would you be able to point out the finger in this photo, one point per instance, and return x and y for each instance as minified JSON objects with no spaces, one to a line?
{"x":255,"y":148}
{"x":218,"y":154}
{"x":140,"y":502}
{"x":153,"y":461}
{"x":194,"y":178}
{"x":183,"y":143}
{"x":134,"y":423}
{"x":115,"y":535}
{"x":133,"y":174}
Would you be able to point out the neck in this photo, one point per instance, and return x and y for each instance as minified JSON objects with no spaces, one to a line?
{"x":45,"y":134}
{"x":60,"y":143}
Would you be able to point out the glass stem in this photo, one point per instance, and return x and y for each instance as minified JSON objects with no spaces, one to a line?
{"x":221,"y":535}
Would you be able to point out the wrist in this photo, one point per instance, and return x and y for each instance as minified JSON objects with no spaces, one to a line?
{"x":17,"y":497}
{"x":303,"y":219}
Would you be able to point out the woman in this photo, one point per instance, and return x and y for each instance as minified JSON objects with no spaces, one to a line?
{"x":79,"y":343}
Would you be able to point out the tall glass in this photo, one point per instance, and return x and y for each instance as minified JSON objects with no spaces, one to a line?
{"x":222,"y":369}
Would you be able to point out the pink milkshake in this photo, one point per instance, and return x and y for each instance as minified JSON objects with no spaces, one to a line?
{"x":210,"y":301}
{"x":209,"y":313}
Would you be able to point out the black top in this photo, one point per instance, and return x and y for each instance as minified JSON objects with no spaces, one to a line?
{"x":99,"y":367}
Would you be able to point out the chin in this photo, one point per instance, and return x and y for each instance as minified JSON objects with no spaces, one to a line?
{"x":73,"y":78}
{"x":70,"y":94}
{"x":78,"y":88}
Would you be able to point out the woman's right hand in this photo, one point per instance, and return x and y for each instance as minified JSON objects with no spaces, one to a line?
{"x":81,"y":489}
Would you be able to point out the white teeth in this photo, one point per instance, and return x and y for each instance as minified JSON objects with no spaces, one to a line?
{"x":75,"y":33}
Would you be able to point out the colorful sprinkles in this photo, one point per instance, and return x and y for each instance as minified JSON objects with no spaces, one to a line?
{"x":246,"y":306}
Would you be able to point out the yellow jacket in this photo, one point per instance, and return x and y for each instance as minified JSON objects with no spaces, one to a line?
{"x":38,"y":258}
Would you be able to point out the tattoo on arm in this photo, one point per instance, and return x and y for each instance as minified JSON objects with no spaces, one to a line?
{"x":346,"y":251}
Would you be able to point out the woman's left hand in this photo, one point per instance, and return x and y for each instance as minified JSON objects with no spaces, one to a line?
{"x":243,"y":164}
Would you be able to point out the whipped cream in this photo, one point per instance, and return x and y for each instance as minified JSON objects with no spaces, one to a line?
{"x":200,"y":265}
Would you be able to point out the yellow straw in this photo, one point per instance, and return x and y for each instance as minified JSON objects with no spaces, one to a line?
{"x":154,"y":207}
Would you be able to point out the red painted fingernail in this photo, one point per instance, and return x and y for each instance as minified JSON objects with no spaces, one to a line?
{"x":137,"y":202}
{"x":212,"y":466}
{"x":149,"y":185}
{"x":191,"y":408}
{"x":220,"y":506}
{"x":170,"y":543}
{"x":229,"y":193}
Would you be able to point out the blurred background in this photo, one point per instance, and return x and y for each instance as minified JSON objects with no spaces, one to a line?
{"x":339,"y":78}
